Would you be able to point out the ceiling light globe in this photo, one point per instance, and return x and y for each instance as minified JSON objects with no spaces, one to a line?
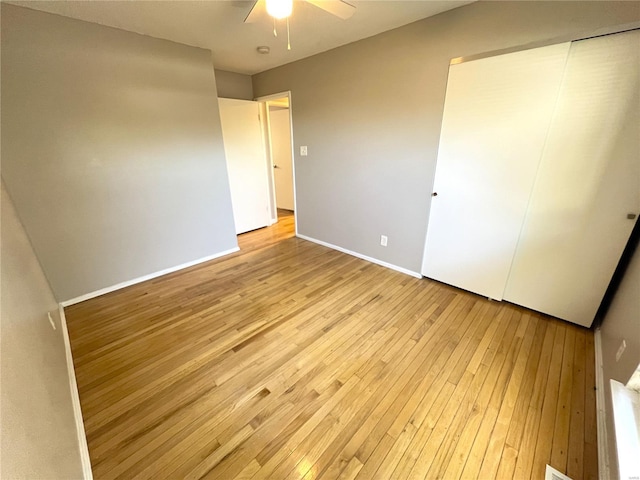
{"x":279,"y":8}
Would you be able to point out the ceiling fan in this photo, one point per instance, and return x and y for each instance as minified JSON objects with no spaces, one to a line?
{"x":282,"y":9}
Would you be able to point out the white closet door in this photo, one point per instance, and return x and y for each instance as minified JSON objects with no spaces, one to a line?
{"x":246,"y":163}
{"x":496,"y":115}
{"x":589,"y":180}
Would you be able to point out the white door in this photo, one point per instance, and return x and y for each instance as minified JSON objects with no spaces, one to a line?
{"x":280,"y":129}
{"x":496,"y":115}
{"x":246,"y":163}
{"x":588,"y":182}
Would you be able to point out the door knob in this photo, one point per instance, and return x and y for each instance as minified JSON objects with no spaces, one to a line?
{"x":434,"y":194}
{"x":275,"y":166}
{"x":631,"y":216}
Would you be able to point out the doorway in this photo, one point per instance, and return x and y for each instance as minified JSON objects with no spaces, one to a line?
{"x":276,"y":110}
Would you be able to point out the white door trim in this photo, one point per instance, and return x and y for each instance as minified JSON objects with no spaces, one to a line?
{"x":264,"y":99}
{"x":265,"y":121}
{"x":601,"y":410}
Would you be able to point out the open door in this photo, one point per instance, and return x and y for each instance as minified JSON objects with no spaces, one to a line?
{"x":246,"y":163}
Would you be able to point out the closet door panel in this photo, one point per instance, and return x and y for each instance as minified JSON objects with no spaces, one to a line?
{"x":588,"y":181}
{"x":496,"y":116}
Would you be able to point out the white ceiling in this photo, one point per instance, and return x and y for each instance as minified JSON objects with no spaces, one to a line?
{"x":218,"y":25}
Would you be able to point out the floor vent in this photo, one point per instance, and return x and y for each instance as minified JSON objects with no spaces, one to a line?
{"x":553,"y":474}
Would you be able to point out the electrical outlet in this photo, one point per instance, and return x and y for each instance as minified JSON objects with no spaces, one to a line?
{"x":303,"y":151}
{"x":383,"y":240}
{"x":620,"y":351}
{"x":53,"y":324}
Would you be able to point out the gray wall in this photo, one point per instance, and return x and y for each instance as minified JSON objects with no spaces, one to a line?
{"x":38,"y":428}
{"x":622,"y":322}
{"x":370,"y":113}
{"x":111,"y":150}
{"x":234,"y":85}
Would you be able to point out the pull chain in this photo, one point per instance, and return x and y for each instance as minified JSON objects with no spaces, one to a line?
{"x":275,"y":32}
{"x":288,"y":36}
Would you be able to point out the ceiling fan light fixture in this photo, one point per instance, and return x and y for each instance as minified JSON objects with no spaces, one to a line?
{"x":279,"y":8}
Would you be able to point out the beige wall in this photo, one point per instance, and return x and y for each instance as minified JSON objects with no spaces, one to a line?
{"x":111,"y":150}
{"x":234,"y":85}
{"x":370,"y":114}
{"x":622,"y":322}
{"x":38,"y":429}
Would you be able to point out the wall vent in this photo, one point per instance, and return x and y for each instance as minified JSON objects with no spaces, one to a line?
{"x":553,"y":474}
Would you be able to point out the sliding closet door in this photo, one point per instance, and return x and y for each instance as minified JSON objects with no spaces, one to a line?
{"x":496,"y":116}
{"x":588,"y":182}
{"x":246,"y":163}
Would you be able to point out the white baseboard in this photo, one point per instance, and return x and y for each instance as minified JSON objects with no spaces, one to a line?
{"x":75,"y":400}
{"x":601,"y":412}
{"x":359,"y":255}
{"x":128,"y":283}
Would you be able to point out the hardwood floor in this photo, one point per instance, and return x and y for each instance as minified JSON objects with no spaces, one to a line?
{"x":291,"y":360}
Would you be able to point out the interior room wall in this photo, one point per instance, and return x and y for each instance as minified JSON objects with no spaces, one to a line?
{"x":622,"y":322}
{"x":234,"y":85}
{"x":370,"y":113}
{"x":38,"y":428}
{"x":111,"y":150}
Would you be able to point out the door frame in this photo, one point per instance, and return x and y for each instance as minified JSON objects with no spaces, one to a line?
{"x":263,"y":101}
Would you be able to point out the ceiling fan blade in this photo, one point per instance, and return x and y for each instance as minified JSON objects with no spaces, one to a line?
{"x":258,"y":11}
{"x":339,"y":8}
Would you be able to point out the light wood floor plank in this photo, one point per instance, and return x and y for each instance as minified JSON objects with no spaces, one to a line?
{"x":560,"y":443}
{"x":548,"y":416}
{"x":590,"y":471}
{"x":526,"y":451}
{"x":288,"y":360}
{"x":575,"y":455}
{"x":494,"y":451}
